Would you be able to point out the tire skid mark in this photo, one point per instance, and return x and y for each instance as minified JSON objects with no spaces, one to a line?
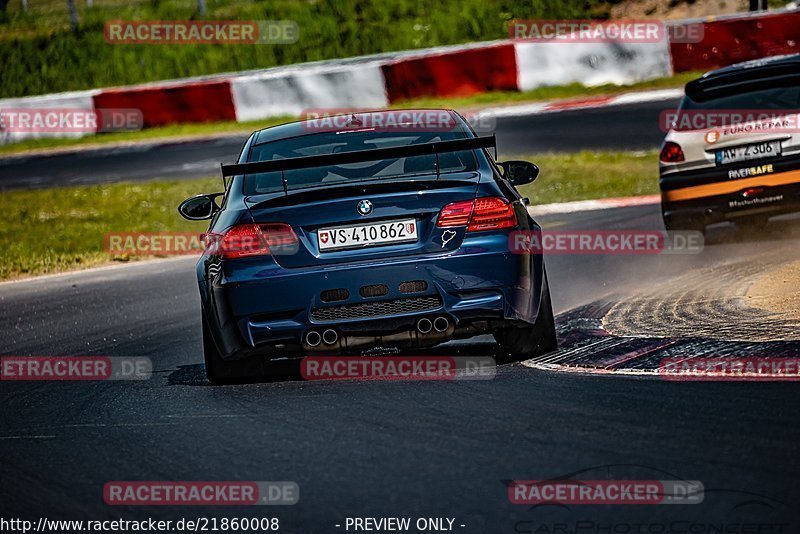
{"x":705,"y":303}
{"x":585,"y":346}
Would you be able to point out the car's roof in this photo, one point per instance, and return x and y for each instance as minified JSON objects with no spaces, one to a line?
{"x":756,"y":66}
{"x":301,"y":127}
{"x":754,"y":73}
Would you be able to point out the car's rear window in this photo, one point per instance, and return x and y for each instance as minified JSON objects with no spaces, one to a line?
{"x":772,"y":98}
{"x":350,"y":141}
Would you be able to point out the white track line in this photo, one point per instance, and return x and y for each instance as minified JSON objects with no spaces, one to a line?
{"x":600,"y":101}
{"x":592,"y":205}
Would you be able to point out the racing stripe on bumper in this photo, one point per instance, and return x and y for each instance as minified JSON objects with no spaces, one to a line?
{"x":724,"y":188}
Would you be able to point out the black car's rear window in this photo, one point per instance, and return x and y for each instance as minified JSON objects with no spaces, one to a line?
{"x":350,"y":141}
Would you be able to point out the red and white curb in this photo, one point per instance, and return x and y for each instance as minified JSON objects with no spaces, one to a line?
{"x":573,"y":104}
{"x":379,"y":80}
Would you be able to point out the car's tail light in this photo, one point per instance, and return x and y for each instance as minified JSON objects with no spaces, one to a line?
{"x":492,"y":213}
{"x":280,"y":238}
{"x":455,"y":214}
{"x":752,"y":192}
{"x":671,"y":153}
{"x":247,"y":240}
{"x":488,"y":213}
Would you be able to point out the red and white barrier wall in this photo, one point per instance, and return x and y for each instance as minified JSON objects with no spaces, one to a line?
{"x":540,"y":63}
{"x":377,"y":81}
{"x":733,"y":39}
{"x":173,"y":102}
{"x":269,"y":94}
{"x":77,"y":100}
{"x":452,"y":72}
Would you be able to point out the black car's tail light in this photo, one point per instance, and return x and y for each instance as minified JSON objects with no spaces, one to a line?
{"x":487,"y":213}
{"x":671,"y":153}
{"x":246,"y":240}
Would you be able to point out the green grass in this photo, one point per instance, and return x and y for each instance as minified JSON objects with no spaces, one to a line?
{"x":590,"y":175}
{"x":42,"y":55}
{"x":482,"y":100}
{"x":54,"y":230}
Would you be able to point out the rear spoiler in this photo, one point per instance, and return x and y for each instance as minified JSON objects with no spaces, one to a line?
{"x":704,"y":89}
{"x":359,"y":156}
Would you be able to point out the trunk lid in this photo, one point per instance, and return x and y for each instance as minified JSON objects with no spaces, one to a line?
{"x":418,"y":199}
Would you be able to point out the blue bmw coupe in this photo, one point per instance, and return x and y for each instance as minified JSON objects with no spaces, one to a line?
{"x":366,"y":237}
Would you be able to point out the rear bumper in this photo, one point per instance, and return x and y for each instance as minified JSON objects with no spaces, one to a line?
{"x":254,"y":306}
{"x":711,"y":209}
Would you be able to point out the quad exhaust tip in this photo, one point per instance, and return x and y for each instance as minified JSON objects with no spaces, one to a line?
{"x":424,"y":326}
{"x":440,"y":324}
{"x":330,"y":336}
{"x":313,"y":338}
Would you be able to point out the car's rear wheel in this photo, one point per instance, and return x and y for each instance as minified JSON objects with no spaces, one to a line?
{"x":220,"y":371}
{"x":529,"y":341}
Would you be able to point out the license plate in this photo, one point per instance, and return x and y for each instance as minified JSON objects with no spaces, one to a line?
{"x":733,"y":154}
{"x":367,"y":235}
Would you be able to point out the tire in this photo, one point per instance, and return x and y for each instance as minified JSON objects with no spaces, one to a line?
{"x":220,"y":371}
{"x":530,"y":341}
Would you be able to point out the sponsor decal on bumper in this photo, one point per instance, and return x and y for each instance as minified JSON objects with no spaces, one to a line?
{"x":724,"y":188}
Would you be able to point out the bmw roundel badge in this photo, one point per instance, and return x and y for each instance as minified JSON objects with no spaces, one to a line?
{"x":364,"y":207}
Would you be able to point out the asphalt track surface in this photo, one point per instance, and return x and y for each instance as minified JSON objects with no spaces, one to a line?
{"x":367,"y":448}
{"x":623,"y":127}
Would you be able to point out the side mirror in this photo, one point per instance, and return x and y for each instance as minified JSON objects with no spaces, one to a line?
{"x":519,"y":172}
{"x":199,"y":208}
